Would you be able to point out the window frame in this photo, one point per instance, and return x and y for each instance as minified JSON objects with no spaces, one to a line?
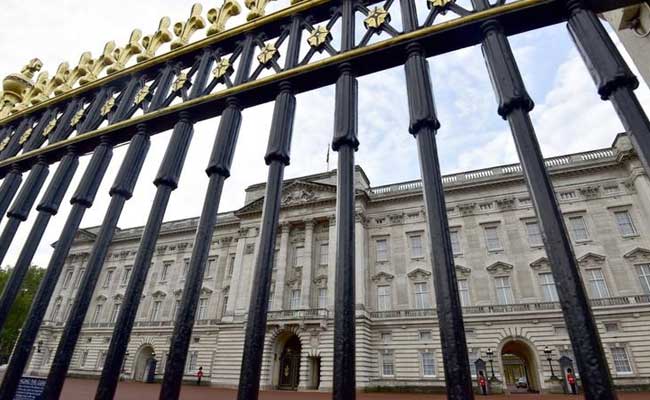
{"x":510,"y":292}
{"x":423,"y":367}
{"x":627,"y":360}
{"x":630,"y":222}
{"x":385,"y":252}
{"x":388,"y":295}
{"x":497,"y":237}
{"x":572,"y":228}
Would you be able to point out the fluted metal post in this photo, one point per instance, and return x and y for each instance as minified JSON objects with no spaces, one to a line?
{"x":424,"y":125}
{"x":218,"y":170}
{"x":611,"y":75}
{"x":10,"y":185}
{"x":514,"y":106}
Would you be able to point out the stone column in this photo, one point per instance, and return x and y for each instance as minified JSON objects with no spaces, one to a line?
{"x":331,"y":265}
{"x":282,"y":259}
{"x":238,"y":297}
{"x":305,"y":369}
{"x":307,"y":264}
{"x":361,"y":258}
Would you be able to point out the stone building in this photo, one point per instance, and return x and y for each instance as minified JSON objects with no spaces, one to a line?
{"x":509,"y":297}
{"x":632,"y":26}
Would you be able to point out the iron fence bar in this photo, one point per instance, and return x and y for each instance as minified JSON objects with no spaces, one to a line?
{"x":345,"y":141}
{"x":611,"y":75}
{"x":423,"y":125}
{"x":166,"y":181}
{"x":9,"y":188}
{"x":514,"y":106}
{"x":218,"y":170}
{"x":81,"y":200}
{"x":277,"y":157}
{"x":120,"y":192}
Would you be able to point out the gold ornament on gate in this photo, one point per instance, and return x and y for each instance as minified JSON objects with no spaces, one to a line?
{"x":152,"y":43}
{"x":4,"y":142}
{"x":25,"y":136}
{"x":180,"y":82}
{"x":319,"y":36}
{"x":443,"y":4}
{"x":121,"y":56}
{"x":256,"y":7}
{"x":77,"y":117}
{"x":219,"y":16}
{"x":223,"y":68}
{"x":15,"y":86}
{"x":50,"y":127}
{"x":376,"y":18}
{"x":95,"y":67}
{"x":184,"y":31}
{"x":141,"y":95}
{"x":268,"y":54}
{"x":107,"y":107}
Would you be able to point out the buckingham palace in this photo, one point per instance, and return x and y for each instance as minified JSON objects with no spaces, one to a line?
{"x":513,"y":320}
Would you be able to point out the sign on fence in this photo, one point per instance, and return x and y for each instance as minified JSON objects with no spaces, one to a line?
{"x":30,"y":388}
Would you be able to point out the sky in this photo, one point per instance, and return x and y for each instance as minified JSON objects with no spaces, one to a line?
{"x":569,"y":116}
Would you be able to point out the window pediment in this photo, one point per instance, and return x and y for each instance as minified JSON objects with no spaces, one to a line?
{"x":382,"y":277}
{"x":101,"y":298}
{"x":591,"y":260}
{"x":294,"y":283}
{"x":206,"y":291}
{"x":462,"y":271}
{"x":321,"y":281}
{"x":419,"y":274}
{"x":158,"y":294}
{"x":499,"y":267}
{"x":541,"y":263}
{"x":639,"y":254}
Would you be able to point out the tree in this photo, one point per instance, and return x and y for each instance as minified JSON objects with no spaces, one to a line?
{"x":20,"y":309}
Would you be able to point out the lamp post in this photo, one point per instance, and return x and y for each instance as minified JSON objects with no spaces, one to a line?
{"x":549,"y":358}
{"x":490,"y":355}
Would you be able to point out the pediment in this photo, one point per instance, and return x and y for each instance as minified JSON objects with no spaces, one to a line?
{"x":462,"y":271}
{"x":178,"y":292}
{"x":295,"y":194}
{"x":382,"y":277}
{"x":540,"y":263}
{"x":419,"y":273}
{"x":118,"y":297}
{"x":158,"y":294}
{"x":206,"y":291}
{"x":638,"y":254}
{"x":591,"y":259}
{"x":499,"y":267}
{"x":320,"y":280}
{"x":101,"y":298}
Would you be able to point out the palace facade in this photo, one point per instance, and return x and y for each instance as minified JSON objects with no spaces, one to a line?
{"x":511,"y":307}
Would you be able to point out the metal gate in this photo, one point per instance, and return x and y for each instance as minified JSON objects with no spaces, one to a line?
{"x":110,"y":100}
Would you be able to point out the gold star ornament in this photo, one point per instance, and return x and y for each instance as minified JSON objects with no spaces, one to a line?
{"x":180,"y":82}
{"x":141,"y":95}
{"x":25,"y":136}
{"x":223,"y":68}
{"x":107,"y":107}
{"x":439,"y":3}
{"x":268,"y":54}
{"x":77,"y":117}
{"x":50,"y":127}
{"x":319,"y":37}
{"x":376,"y":18}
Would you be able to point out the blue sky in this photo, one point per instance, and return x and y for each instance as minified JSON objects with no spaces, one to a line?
{"x":569,"y":116}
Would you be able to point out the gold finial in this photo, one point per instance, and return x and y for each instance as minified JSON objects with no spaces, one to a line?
{"x":50,"y":127}
{"x":4,"y":142}
{"x":77,"y":117}
{"x":439,"y":4}
{"x":43,"y":90}
{"x":141,"y":95}
{"x":223,"y":67}
{"x":269,"y":53}
{"x":123,"y":55}
{"x":98,"y":65}
{"x":180,"y":82}
{"x":184,"y":31}
{"x":72,"y":77}
{"x":15,"y":86}
{"x":376,"y":18}
{"x":152,"y":43}
{"x":319,"y":36}
{"x":41,"y":81}
{"x":25,"y":136}
{"x":219,"y":16}
{"x":256,"y":8}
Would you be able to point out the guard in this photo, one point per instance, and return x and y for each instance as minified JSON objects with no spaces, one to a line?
{"x":571,"y":380}
{"x":482,"y":383}
{"x":199,"y":375}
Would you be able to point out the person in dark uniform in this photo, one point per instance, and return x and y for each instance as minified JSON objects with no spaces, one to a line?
{"x":482,"y":383}
{"x":199,"y":375}
{"x":571,"y":380}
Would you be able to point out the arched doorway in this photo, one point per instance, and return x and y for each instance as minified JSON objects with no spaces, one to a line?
{"x":144,"y":361}
{"x":289,"y":364}
{"x":520,"y":371}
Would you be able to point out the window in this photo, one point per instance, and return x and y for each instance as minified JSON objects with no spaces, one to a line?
{"x":108,"y":278}
{"x":165,"y":271}
{"x":454,"y":237}
{"x":422,"y":295}
{"x":428,"y":363}
{"x":322,"y":298}
{"x":186,"y":267}
{"x":100,"y":359}
{"x":382,"y":250}
{"x":224,"y":303}
{"x":79,"y":277}
{"x":384,"y":301}
{"x":425,"y":336}
{"x":611,"y":326}
{"x":294,"y":301}
{"x":597,"y":283}
{"x":126,"y":275}
{"x":192,"y":361}
{"x":209,"y":267}
{"x":323,"y":254}
{"x":534,"y":234}
{"x":83,"y":358}
{"x":504,"y":290}
{"x":463,"y":292}
{"x":231,"y":266}
{"x":387,"y":366}
{"x":67,"y":278}
{"x":271,"y":296}
{"x":549,"y":291}
{"x":68,"y":307}
{"x":115,"y":312}
{"x":155,"y":310}
{"x":177,"y":306}
{"x":203,"y":309}
{"x":386,"y":337}
{"x":275,"y":258}
{"x":97,"y":313}
{"x":298,"y":256}
{"x":55,"y":310}
{"x":415,"y":242}
{"x":492,"y":241}
{"x":578,"y":228}
{"x":624,"y":223}
{"x":621,"y":360}
{"x":644,"y":277}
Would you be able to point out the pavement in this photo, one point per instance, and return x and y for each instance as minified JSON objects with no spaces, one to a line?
{"x":84,"y":389}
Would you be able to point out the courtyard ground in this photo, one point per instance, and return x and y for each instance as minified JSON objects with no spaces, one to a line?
{"x":84,"y":389}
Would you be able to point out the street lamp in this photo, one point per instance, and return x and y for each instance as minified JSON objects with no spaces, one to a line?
{"x":549,"y":358}
{"x":490,"y":355}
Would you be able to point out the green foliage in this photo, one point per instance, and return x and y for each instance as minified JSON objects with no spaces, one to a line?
{"x":19,"y":310}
